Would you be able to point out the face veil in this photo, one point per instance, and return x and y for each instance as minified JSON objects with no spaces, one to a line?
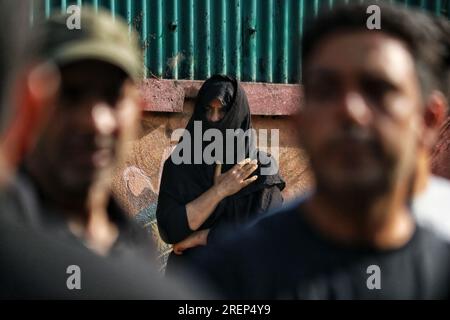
{"x":235,"y":127}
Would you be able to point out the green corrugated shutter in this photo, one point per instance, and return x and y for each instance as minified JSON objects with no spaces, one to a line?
{"x":254,"y":40}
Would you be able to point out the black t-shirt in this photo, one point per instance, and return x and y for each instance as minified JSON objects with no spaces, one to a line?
{"x":24,"y":203}
{"x":33,"y":265}
{"x":284,"y":257}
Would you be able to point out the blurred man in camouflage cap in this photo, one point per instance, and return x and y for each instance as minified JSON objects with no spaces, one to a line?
{"x":64,"y":184}
{"x":33,"y":264}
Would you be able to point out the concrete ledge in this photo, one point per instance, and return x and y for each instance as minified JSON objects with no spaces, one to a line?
{"x":264,"y":98}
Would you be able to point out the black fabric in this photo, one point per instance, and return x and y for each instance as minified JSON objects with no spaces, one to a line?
{"x":183,"y":183}
{"x":24,"y":203}
{"x":260,"y":204}
{"x":284,"y":257}
{"x":223,"y":90}
{"x":36,"y":248}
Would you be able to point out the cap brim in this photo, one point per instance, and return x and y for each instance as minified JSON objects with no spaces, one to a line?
{"x":120,"y":57}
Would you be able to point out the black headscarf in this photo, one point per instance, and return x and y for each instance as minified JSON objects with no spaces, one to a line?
{"x":237,"y":116}
{"x":184,"y":183}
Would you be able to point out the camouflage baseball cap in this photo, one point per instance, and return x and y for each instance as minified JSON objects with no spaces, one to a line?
{"x":100,"y":37}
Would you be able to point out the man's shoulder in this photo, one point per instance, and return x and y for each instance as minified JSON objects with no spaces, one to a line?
{"x":287,"y":213}
{"x":18,"y":199}
{"x":282,"y":215}
{"x":256,"y":250}
{"x":277,"y":226}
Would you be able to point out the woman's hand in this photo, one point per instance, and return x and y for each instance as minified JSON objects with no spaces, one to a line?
{"x":235,"y":179}
{"x":227,"y":184}
{"x":196,"y":239}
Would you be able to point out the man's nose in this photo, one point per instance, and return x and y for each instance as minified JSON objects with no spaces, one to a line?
{"x":104,"y":119}
{"x":355,"y":109}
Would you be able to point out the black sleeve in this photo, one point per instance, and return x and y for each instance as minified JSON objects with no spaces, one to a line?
{"x":172,"y":219}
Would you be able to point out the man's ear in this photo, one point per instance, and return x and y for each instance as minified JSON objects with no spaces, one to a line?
{"x":434,"y":117}
{"x":34,"y":94}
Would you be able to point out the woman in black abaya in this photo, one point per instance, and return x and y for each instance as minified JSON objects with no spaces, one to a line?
{"x":201,"y":203}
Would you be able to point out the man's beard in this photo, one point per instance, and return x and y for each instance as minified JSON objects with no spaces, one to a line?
{"x":368,"y":172}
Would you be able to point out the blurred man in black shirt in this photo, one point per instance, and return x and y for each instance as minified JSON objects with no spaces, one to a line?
{"x":369,"y":106}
